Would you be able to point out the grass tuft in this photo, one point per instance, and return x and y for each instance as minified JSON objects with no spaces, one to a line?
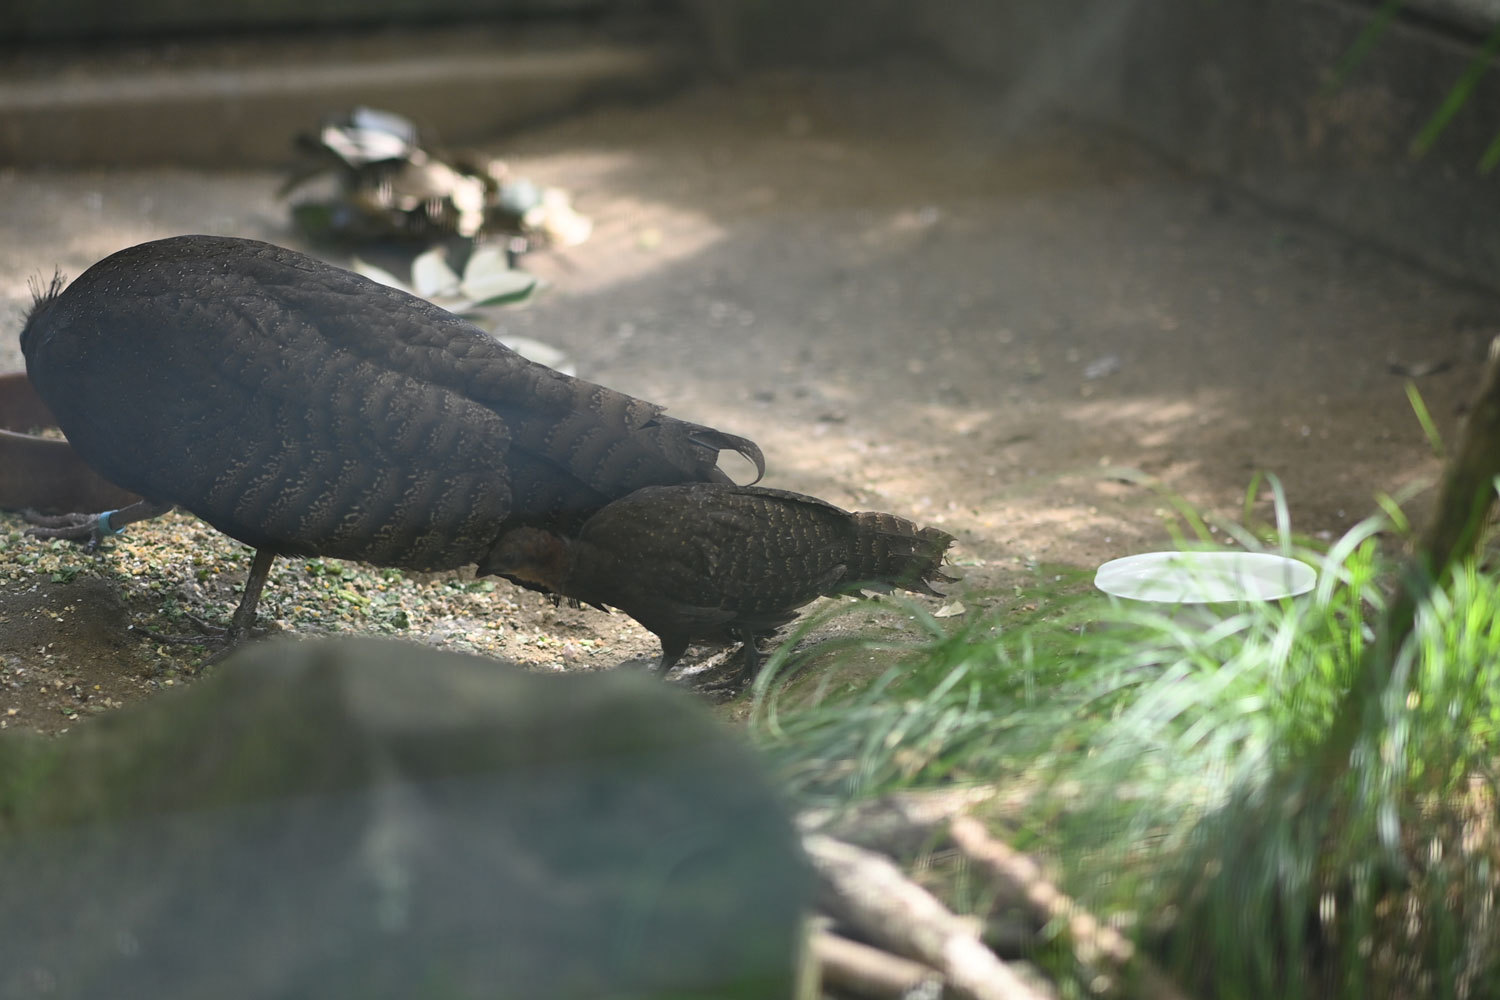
{"x":1175,"y":778}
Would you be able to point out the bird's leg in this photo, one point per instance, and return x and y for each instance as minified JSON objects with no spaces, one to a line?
{"x":744,"y":675}
{"x":671,"y":652}
{"x":93,"y":528}
{"x":96,"y":527}
{"x":749,"y":659}
{"x":240,"y":623}
{"x":255,"y":582}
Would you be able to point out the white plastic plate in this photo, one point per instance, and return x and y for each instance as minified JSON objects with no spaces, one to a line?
{"x":1204,"y":577}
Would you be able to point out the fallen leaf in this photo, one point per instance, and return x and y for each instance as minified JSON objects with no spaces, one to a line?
{"x":379,"y":274}
{"x":431,"y":274}
{"x":497,"y":287}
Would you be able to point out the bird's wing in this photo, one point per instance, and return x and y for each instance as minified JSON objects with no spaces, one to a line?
{"x":567,"y":433}
{"x":206,"y":391}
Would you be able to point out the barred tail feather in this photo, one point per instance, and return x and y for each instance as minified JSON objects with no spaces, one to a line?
{"x":719,"y":441}
{"x":893,"y":551}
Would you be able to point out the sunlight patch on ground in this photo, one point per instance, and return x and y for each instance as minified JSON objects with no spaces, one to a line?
{"x":656,"y":235}
{"x":634,"y":234}
{"x":1156,"y":419}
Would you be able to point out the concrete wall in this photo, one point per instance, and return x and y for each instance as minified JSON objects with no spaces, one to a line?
{"x":1238,"y":88}
{"x":1243,"y":90}
{"x":32,"y":20}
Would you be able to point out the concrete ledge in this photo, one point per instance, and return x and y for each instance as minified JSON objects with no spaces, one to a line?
{"x":59,"y":19}
{"x":1241,"y":90}
{"x":1235,"y":88}
{"x":239,"y":103}
{"x":1475,"y":15}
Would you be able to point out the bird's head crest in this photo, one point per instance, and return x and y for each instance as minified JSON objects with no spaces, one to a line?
{"x":41,"y":299}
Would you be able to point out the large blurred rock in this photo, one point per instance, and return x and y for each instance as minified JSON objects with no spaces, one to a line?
{"x":364,"y":819}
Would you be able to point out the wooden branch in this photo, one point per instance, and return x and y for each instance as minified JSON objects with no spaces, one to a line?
{"x":1468,"y":487}
{"x":1465,"y":496}
{"x":868,"y":892}
{"x":1092,"y":941}
{"x":868,"y":972}
{"x":902,"y":824}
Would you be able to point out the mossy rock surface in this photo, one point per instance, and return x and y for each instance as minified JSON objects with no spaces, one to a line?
{"x":360,"y":818}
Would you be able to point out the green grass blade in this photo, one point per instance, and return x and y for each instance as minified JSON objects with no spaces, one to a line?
{"x":1457,"y":97}
{"x":1424,"y":417}
{"x":1491,"y":157}
{"x":1374,"y":28}
{"x":1393,"y":511}
{"x":1283,"y":515}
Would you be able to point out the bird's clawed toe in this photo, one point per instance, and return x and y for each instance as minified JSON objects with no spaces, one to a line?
{"x":223,"y":639}
{"x":735,"y":673}
{"x":72,"y":527}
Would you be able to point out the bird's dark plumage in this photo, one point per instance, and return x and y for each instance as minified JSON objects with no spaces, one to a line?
{"x":718,"y":563}
{"x":306,"y":410}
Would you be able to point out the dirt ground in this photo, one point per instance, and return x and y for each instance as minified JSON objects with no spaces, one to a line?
{"x":914,"y":299}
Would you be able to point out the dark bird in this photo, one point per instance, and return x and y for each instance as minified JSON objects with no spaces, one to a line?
{"x":308,"y":411}
{"x":721,"y":563}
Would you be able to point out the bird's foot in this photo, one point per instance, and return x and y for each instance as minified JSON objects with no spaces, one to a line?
{"x":89,"y":528}
{"x":92,"y":528}
{"x":223,"y":639}
{"x":720,"y":690}
{"x":737,"y":672}
{"x":719,"y":693}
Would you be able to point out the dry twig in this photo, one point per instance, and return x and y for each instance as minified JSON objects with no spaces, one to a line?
{"x":902,"y":824}
{"x":869,"y":893}
{"x":1091,"y":940}
{"x":1465,"y":496}
{"x":869,"y":972}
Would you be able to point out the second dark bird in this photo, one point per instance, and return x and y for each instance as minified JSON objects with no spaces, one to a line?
{"x":721,"y":563}
{"x":308,"y":411}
